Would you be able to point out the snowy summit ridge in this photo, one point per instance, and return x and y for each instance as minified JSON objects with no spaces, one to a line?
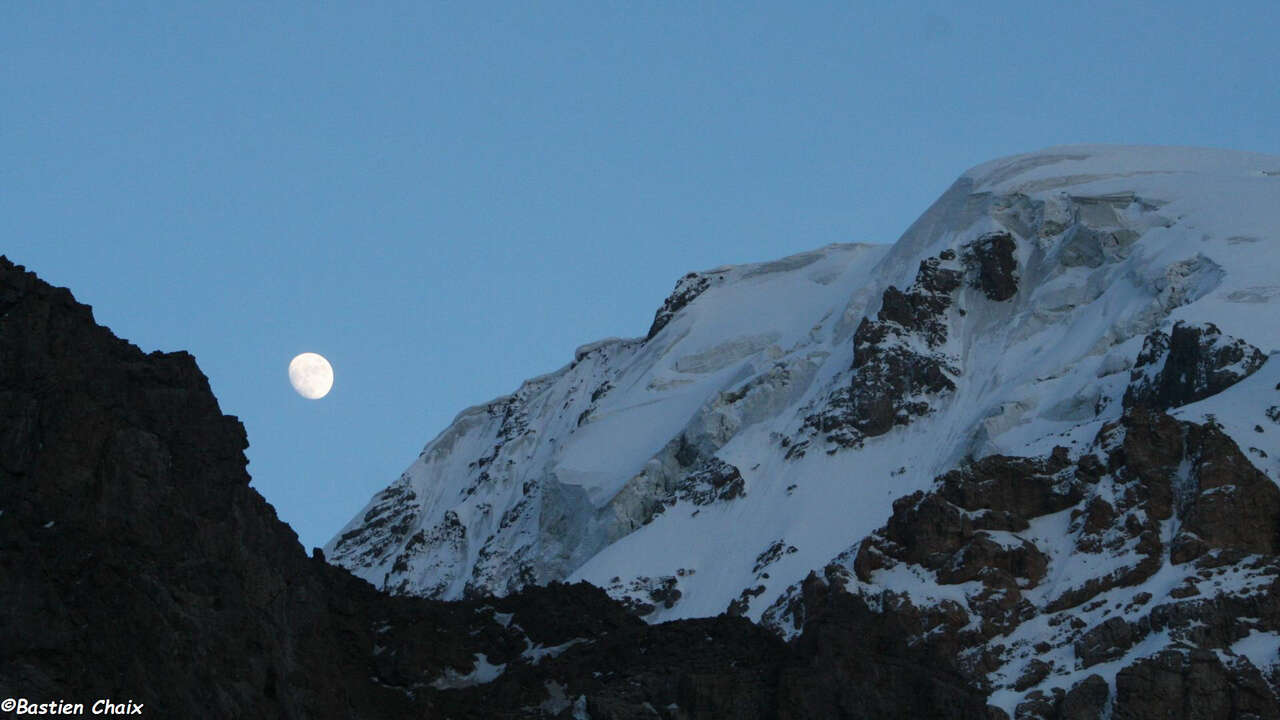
{"x":774,"y":412}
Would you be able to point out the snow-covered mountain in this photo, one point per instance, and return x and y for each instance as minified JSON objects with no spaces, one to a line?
{"x":788,"y":417}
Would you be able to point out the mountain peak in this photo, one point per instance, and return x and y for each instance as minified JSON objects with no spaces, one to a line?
{"x":776,"y":414}
{"x":1076,"y":164}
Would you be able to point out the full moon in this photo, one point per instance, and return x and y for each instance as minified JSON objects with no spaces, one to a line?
{"x":311,"y":375}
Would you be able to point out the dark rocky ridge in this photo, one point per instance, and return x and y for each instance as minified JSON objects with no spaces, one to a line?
{"x":898,"y":366}
{"x":687,"y":289}
{"x":136,"y":562}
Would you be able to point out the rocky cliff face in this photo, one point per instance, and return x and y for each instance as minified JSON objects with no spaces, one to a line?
{"x":1054,"y":581}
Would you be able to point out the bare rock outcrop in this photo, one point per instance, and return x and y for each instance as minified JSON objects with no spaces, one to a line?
{"x":1032,"y":604}
{"x":1189,"y":363}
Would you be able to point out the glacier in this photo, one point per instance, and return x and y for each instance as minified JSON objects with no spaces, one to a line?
{"x":774,"y":412}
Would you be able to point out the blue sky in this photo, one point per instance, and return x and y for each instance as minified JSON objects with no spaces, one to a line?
{"x":445,"y":199}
